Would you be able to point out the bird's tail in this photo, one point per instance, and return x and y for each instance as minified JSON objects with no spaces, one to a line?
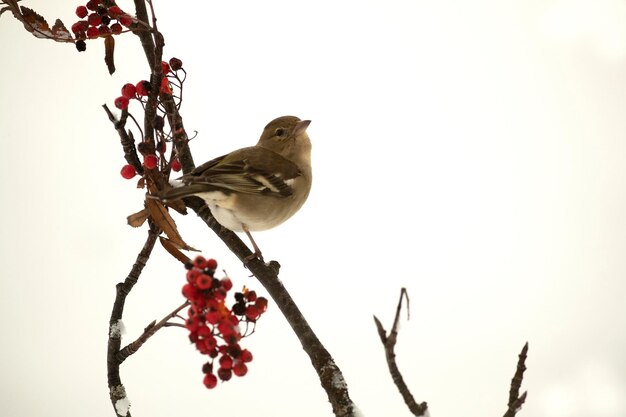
{"x":178,"y":193}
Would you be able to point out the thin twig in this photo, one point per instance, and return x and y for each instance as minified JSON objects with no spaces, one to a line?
{"x":149,"y":331}
{"x":515,"y":400}
{"x":389,"y":343}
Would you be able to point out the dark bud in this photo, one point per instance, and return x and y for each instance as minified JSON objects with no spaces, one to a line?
{"x":239,"y":308}
{"x":102,"y":11}
{"x":142,"y":148}
{"x":81,"y":46}
{"x":234,"y":351}
{"x":239,"y":296}
{"x":106,"y":20}
{"x":176,"y":64}
{"x":207,"y":368}
{"x":188,"y":265}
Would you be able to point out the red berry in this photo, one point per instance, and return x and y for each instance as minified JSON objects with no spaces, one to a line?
{"x":261,"y":304}
{"x":176,"y":165}
{"x":115,"y":11}
{"x":80,"y":26}
{"x":199,"y":261}
{"x":252,"y":312}
{"x":189,"y":291}
{"x":227,"y":284}
{"x":211,"y":264}
{"x":128,"y":171}
{"x":226,"y":362}
{"x":125,"y":20}
{"x":81,"y":11}
{"x":92,"y":5}
{"x":104,"y":29}
{"x":150,"y":161}
{"x":204,"y":282}
{"x":251,"y":296}
{"x":213,"y":317}
{"x":143,"y":88}
{"x":165,"y":67}
{"x":210,"y":381}
{"x":176,"y":64}
{"x":240,"y":368}
{"x":192,"y":274}
{"x":246,"y":355}
{"x":116,"y":28}
{"x":204,"y":332}
{"x":224,"y":374}
{"x":165,"y":86}
{"x":121,"y":103}
{"x":94,"y":19}
{"x":92,"y":32}
{"x":129,"y":90}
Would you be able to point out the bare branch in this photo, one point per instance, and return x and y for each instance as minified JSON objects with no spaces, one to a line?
{"x":515,"y":400}
{"x":128,"y":142}
{"x":389,"y":343}
{"x":150,"y":330}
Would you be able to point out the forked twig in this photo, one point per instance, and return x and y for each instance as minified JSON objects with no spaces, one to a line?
{"x":389,"y":343}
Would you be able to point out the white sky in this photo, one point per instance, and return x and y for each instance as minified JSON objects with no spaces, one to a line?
{"x":470,"y":151}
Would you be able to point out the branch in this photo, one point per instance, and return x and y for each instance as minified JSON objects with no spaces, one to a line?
{"x":389,"y":343}
{"x":150,"y":330}
{"x":330,"y":375}
{"x":515,"y":400}
{"x":116,"y":388}
{"x":128,"y":142}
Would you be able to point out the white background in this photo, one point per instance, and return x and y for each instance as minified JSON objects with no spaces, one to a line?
{"x":471,"y":151}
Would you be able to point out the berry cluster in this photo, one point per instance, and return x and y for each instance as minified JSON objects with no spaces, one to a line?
{"x":139,"y":91}
{"x":98,"y":19}
{"x":213,"y":327}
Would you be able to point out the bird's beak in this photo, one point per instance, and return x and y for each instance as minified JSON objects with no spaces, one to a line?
{"x":301,"y":126}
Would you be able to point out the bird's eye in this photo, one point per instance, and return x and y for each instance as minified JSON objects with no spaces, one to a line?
{"x":280,"y":131}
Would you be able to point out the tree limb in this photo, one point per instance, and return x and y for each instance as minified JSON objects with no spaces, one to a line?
{"x":117,"y":391}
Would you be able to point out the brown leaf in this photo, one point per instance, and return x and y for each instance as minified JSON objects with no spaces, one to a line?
{"x":60,"y":32}
{"x":162,"y":218}
{"x":109,"y":49}
{"x":173,"y":250}
{"x":35,"y":23}
{"x":139,"y":218}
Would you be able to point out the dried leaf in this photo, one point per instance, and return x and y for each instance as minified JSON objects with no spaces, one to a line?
{"x":60,"y":32}
{"x":109,"y":49}
{"x":162,"y":218}
{"x":37,"y":25}
{"x":173,"y":250}
{"x":141,"y":183}
{"x":139,"y":218}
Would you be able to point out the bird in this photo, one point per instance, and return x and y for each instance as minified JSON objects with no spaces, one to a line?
{"x":255,"y":188}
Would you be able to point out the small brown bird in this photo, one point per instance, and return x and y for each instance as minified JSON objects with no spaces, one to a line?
{"x":255,"y":188}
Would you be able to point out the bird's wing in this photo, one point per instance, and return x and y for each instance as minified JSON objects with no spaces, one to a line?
{"x":259,"y":172}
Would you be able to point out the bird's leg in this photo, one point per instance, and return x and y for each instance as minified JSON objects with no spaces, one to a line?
{"x":257,"y":252}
